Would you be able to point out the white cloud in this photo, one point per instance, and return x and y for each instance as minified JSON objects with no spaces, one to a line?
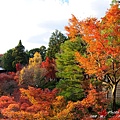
{"x":32,"y":21}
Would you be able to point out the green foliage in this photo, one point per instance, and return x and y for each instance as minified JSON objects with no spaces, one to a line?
{"x":19,"y":55}
{"x":1,"y":60}
{"x":67,"y":66}
{"x":32,"y":52}
{"x":8,"y":58}
{"x":117,"y":104}
{"x":71,"y":89}
{"x":56,"y":39}
{"x":50,"y":84}
{"x":68,"y":70}
{"x":114,"y":2}
{"x":43,"y":52}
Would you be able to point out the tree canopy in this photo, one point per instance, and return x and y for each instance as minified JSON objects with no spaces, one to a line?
{"x":19,"y":54}
{"x":56,"y":39}
{"x":103,"y":45}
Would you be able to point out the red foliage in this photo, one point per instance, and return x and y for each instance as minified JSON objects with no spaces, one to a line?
{"x":116,"y":115}
{"x":49,"y":64}
{"x":103,"y":113}
{"x":4,"y":76}
{"x":18,"y":66}
{"x":5,"y":101}
{"x":7,"y":83}
{"x":31,"y":102}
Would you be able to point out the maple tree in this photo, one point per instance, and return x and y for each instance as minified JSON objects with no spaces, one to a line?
{"x":50,"y":66}
{"x":7,"y":84}
{"x":18,"y":67}
{"x":103,"y":45}
{"x":32,"y":104}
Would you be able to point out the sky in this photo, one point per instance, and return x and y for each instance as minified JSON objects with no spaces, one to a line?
{"x":34,"y":21}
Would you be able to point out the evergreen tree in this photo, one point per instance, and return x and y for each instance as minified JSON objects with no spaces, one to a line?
{"x":20,"y":55}
{"x":67,"y":67}
{"x":68,"y":71}
{"x":56,"y":39}
{"x":7,"y":60}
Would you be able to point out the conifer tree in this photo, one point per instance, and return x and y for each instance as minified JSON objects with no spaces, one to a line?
{"x":19,"y":54}
{"x":68,"y":71}
{"x":56,"y":39}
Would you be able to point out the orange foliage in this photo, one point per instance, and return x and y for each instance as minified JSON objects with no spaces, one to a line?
{"x":74,"y":28}
{"x":32,"y":104}
{"x":44,"y":104}
{"x":103,"y":42}
{"x":103,"y":47}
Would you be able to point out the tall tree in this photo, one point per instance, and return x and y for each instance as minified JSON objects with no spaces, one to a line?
{"x":56,"y":39}
{"x":19,"y":54}
{"x":67,"y":67}
{"x":103,"y":45}
{"x":68,"y":71}
{"x":7,"y":60}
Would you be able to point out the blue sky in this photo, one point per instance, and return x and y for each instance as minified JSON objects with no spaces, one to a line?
{"x":33,"y":21}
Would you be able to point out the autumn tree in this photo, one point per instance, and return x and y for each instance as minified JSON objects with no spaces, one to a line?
{"x":33,"y":74}
{"x":33,"y":51}
{"x":103,"y":45}
{"x":33,"y":104}
{"x":7,"y":84}
{"x":50,"y":77}
{"x":42,"y":50}
{"x":56,"y":39}
{"x":36,"y":103}
{"x":50,"y":66}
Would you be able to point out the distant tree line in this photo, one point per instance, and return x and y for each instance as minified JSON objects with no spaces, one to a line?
{"x":18,"y":54}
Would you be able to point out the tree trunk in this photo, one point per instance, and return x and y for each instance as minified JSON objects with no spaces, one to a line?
{"x":114,"y":97}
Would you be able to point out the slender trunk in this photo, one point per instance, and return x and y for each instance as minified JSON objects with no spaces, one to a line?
{"x":114,"y":97}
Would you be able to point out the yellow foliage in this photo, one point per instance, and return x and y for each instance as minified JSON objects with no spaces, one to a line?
{"x":37,"y":59}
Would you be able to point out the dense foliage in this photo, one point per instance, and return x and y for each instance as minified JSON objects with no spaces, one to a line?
{"x":19,"y":55}
{"x":42,"y":50}
{"x":7,"y":61}
{"x":103,"y":51}
{"x":56,"y":39}
{"x":70,"y":75}
{"x":68,"y":83}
